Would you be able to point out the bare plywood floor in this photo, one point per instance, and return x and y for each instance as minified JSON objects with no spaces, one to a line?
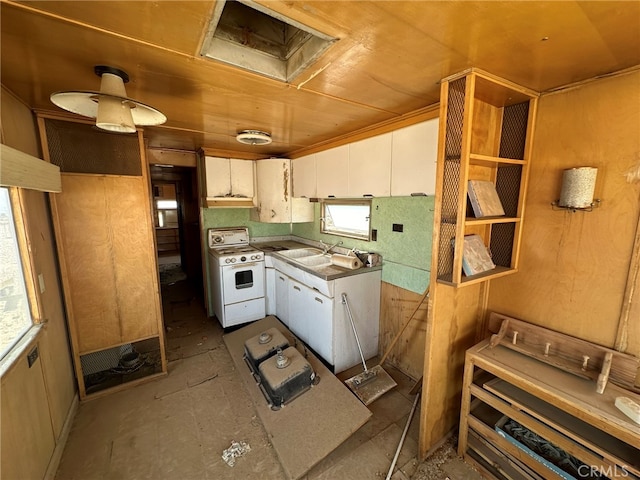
{"x":178,"y":426}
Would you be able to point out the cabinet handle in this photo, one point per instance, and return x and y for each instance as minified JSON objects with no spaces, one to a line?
{"x":273,"y":213}
{"x":281,"y":278}
{"x":296,"y":288}
{"x":319,"y":300}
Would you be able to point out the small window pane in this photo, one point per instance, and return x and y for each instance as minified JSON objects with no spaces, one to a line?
{"x":346,"y":218}
{"x":167,"y":204}
{"x":15,"y":317}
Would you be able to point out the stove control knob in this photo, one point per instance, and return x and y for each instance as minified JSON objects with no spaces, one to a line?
{"x":227,"y":260}
{"x":243,"y":258}
{"x":258,"y":257}
{"x":232,"y":259}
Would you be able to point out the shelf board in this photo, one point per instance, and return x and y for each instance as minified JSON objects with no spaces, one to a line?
{"x":490,"y":161}
{"x":470,"y":221}
{"x":480,"y":277}
{"x":570,"y":393}
{"x":580,"y":431}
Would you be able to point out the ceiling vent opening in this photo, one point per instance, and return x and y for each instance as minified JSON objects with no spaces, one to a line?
{"x":250,"y":36}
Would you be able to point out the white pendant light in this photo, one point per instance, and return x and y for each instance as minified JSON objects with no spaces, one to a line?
{"x":111,"y":107}
{"x":253,"y":137}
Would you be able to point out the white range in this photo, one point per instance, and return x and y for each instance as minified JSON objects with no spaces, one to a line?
{"x":237,"y":275}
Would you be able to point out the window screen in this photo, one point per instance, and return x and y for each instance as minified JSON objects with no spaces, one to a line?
{"x":346,"y":218}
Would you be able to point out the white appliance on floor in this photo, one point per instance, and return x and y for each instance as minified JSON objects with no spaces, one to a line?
{"x":237,"y":275}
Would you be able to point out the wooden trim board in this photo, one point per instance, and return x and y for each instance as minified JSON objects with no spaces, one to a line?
{"x":312,"y":425}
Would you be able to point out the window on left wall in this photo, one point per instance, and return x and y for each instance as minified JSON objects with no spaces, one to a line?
{"x":15,"y":314}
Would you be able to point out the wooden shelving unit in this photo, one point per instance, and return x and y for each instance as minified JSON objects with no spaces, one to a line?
{"x":562,"y":408}
{"x":486,"y":134}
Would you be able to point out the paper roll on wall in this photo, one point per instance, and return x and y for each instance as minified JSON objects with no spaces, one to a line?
{"x":578,"y":185}
{"x":345,"y":261}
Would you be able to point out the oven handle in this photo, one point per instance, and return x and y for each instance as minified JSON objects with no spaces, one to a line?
{"x":243,"y":265}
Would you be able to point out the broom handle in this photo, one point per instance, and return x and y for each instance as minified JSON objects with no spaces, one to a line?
{"x":397,"y":337}
{"x":353,"y":326}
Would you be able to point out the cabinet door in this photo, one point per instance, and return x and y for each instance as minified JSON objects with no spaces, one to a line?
{"x":274,"y":190}
{"x":242,"y":178}
{"x":332,"y":172}
{"x":370,"y":167}
{"x":320,"y":324}
{"x":299,"y":310}
{"x":282,"y":297}
{"x":304,"y":176}
{"x":413,"y":159}
{"x":218,"y":176}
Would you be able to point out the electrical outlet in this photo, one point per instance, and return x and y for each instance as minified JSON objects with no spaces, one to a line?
{"x":32,"y":356}
{"x":398,"y":227}
{"x":374,"y":235}
{"x":41,"y":282}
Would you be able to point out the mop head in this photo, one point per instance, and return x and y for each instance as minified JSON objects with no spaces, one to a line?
{"x":370,"y":385}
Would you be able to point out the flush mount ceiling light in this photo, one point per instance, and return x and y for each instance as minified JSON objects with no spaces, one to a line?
{"x":111,"y":107}
{"x":253,"y":137}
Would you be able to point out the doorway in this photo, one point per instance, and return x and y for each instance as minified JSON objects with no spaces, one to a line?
{"x":177,"y":226}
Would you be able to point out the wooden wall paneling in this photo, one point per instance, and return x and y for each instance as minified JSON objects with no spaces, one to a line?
{"x":177,"y":158}
{"x":27,"y":435}
{"x":152,"y":248}
{"x":396,"y":304}
{"x":628,"y":325}
{"x":19,"y":131}
{"x":451,"y":330}
{"x":54,"y":344}
{"x":84,"y":238}
{"x":133,"y":261}
{"x":486,"y":128}
{"x":18,"y":126}
{"x":573,"y":267}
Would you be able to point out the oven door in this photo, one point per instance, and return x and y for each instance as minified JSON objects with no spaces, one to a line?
{"x":242,"y":282}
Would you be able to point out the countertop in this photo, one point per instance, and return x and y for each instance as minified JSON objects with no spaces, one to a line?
{"x":329,"y":272}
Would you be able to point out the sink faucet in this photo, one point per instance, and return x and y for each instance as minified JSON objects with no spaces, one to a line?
{"x":326,"y":248}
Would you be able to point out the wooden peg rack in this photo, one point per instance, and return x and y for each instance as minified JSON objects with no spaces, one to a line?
{"x":573,"y":355}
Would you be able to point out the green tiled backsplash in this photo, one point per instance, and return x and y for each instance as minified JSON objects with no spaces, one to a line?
{"x":406,"y":255}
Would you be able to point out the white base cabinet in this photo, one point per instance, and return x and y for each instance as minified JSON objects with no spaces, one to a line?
{"x":312,"y":308}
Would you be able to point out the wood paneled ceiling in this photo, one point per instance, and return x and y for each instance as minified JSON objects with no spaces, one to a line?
{"x":386,"y":64}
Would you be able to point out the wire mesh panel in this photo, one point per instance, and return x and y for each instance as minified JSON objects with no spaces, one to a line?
{"x":508,"y":180}
{"x":125,"y":363}
{"x":451,"y":172}
{"x":501,"y":244}
{"x":514,"y":130}
{"x":82,"y":148}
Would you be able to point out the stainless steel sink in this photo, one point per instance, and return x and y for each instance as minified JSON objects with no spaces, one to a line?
{"x":300,"y":252}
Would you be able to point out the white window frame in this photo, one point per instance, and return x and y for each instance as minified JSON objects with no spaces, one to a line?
{"x":324,"y":228}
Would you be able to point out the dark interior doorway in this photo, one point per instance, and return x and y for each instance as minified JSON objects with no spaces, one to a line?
{"x":177,"y":223}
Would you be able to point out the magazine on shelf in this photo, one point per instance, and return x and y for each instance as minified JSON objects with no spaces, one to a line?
{"x":475,"y":256}
{"x":484,"y":199}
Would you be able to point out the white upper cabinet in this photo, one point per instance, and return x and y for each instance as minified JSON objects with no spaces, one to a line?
{"x":304,"y":176}
{"x":414,"y":154}
{"x":332,"y":171}
{"x":229,"y":182}
{"x":370,"y":167}
{"x":396,"y":164}
{"x":274,"y":194}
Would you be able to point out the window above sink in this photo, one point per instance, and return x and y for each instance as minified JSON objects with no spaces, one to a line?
{"x":346,"y":218}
